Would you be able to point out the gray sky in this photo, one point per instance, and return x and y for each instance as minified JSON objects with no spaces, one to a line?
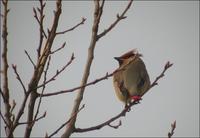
{"x":161,"y":31}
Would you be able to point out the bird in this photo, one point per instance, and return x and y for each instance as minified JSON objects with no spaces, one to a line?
{"x":131,"y":80}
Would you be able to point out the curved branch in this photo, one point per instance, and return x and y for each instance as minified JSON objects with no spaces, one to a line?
{"x":74,"y":27}
{"x":119,"y":17}
{"x":124,"y":111}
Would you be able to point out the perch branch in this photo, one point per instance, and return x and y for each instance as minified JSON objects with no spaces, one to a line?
{"x":122,"y":113}
{"x":109,"y":121}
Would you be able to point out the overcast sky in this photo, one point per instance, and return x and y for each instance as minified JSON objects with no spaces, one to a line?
{"x":161,"y":31}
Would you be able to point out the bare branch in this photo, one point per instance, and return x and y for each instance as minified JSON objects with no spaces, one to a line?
{"x":64,"y":124}
{"x":74,"y":27}
{"x":63,"y":45}
{"x":4,"y":119}
{"x":57,"y":72}
{"x":40,"y":99}
{"x":18,"y":78}
{"x":13,"y":106}
{"x":39,"y":22}
{"x":35,"y":120}
{"x":97,"y":16}
{"x":167,"y":65}
{"x":40,"y":68}
{"x":116,"y":126}
{"x":2,"y":94}
{"x":173,"y":126}
{"x":119,"y":17}
{"x":122,"y":113}
{"x":92,"y":82}
{"x":5,"y":92}
{"x":109,"y":121}
{"x":79,"y":87}
{"x":29,"y":57}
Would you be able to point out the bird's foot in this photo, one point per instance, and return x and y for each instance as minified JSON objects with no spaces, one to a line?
{"x":136,"y":98}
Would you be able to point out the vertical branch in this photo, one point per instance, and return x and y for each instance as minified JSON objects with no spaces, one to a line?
{"x":40,"y":68}
{"x":97,"y":15}
{"x":40,"y":20}
{"x":5,"y":70}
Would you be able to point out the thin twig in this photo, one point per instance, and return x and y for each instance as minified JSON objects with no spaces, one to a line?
{"x":72,"y":28}
{"x":4,"y":119}
{"x":63,"y":45}
{"x":35,"y":120}
{"x":173,"y":126}
{"x":64,"y":124}
{"x":57,"y":72}
{"x":2,"y":94}
{"x":40,"y":99}
{"x":41,"y":17}
{"x":167,"y":65}
{"x":29,"y":57}
{"x":18,"y":78}
{"x":40,"y":68}
{"x":119,"y":17}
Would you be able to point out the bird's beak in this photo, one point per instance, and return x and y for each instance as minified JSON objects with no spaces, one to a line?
{"x":119,"y":60}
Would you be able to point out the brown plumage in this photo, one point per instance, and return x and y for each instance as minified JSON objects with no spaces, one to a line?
{"x":132,"y":80}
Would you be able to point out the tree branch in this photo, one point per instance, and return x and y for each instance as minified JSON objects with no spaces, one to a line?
{"x":18,"y":78}
{"x":74,"y":27}
{"x":30,"y":59}
{"x":85,"y":85}
{"x":35,"y":120}
{"x":63,"y":45}
{"x":109,"y":121}
{"x":92,"y":82}
{"x":57,"y":73}
{"x":123,"y":112}
{"x":167,"y":65}
{"x":119,"y":17}
{"x":97,"y":15}
{"x":173,"y":126}
{"x":64,"y":124}
{"x":4,"y":119}
{"x":40,"y":67}
{"x":6,"y":93}
{"x":40,"y":99}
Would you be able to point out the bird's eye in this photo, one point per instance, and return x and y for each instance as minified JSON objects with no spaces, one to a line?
{"x":141,"y":83}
